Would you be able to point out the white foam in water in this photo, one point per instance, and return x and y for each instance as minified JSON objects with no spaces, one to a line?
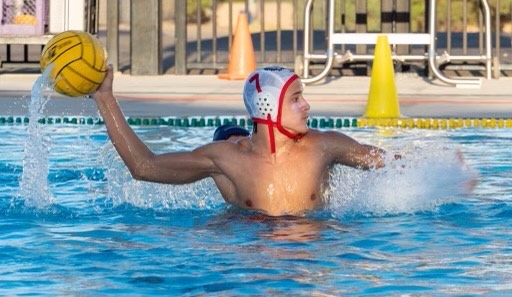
{"x":425,"y":178}
{"x":34,"y":179}
{"x":122,"y":188}
{"x":430,"y":173}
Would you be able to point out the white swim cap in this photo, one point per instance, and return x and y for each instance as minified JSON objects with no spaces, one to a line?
{"x":264,"y":92}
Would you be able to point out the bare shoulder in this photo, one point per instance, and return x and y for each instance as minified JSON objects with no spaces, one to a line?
{"x":341,"y":148}
{"x":227,"y":157}
{"x":336,"y":146}
{"x":225,"y":148}
{"x":330,"y":138}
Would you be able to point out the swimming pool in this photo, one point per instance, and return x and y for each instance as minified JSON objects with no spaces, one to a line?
{"x":88,"y":229}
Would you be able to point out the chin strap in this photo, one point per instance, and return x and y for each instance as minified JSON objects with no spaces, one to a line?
{"x":280,"y":128}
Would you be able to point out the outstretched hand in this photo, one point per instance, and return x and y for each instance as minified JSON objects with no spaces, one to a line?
{"x":106,"y":86}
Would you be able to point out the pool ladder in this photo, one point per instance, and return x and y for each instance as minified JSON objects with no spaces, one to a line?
{"x":394,"y":38}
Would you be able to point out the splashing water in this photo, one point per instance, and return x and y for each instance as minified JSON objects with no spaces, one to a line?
{"x":430,"y":174}
{"x":34,"y":180}
{"x":122,"y":188}
{"x":424,"y":179}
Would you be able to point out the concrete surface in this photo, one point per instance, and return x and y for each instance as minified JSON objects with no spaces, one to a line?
{"x":206,"y":95}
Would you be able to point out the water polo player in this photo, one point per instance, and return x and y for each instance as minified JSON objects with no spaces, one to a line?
{"x":282,"y":168}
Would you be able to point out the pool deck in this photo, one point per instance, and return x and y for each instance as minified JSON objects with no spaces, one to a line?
{"x":206,"y":95}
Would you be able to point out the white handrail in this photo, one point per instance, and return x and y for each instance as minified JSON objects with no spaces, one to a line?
{"x":394,"y":38}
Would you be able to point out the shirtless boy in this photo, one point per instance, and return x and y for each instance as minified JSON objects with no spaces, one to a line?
{"x":281,"y":169}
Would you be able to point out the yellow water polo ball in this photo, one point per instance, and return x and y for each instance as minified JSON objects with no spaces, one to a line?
{"x":78,"y":63}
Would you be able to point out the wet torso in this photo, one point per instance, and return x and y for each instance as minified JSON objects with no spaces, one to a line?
{"x":292,"y":184}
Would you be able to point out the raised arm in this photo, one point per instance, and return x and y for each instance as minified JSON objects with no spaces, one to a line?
{"x":143,"y":164}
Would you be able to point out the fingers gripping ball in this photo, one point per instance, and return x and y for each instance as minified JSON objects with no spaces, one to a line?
{"x":78,"y":63}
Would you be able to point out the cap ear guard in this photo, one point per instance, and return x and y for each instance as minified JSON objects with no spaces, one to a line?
{"x":266,"y":105}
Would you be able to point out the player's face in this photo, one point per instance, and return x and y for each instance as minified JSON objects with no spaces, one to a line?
{"x":295,"y":109}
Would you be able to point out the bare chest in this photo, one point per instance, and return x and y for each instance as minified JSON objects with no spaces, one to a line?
{"x":287,"y":186}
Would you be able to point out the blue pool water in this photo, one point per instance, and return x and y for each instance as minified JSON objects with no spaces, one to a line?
{"x":74,"y":223}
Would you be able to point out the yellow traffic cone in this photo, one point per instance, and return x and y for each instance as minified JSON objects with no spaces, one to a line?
{"x":382,"y":98}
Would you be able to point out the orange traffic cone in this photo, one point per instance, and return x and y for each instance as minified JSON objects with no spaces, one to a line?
{"x":241,"y":57}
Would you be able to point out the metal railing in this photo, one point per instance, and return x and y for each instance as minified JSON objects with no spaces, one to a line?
{"x":22,"y":40}
{"x":274,"y":29}
{"x":196,"y":37}
{"x":202,"y":37}
{"x":364,"y":38}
